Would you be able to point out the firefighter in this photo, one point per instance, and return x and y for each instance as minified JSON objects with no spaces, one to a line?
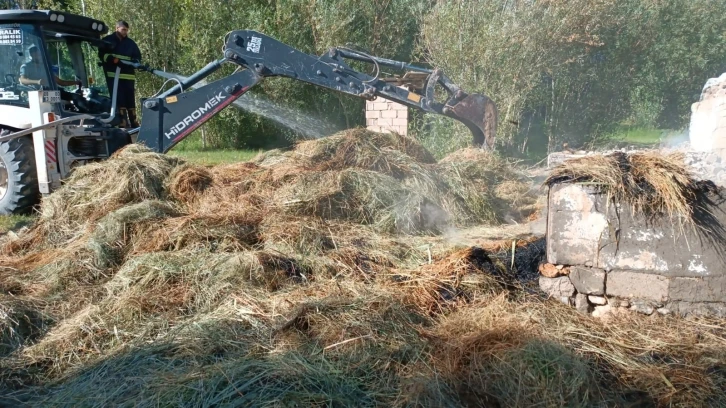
{"x":121,"y":47}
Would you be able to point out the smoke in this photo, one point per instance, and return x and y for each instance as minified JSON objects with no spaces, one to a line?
{"x":290,"y":118}
{"x":676,"y":140}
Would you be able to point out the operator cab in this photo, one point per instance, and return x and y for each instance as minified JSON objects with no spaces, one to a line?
{"x":39,"y":47}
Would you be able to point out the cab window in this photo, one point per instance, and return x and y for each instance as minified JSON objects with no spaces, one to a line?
{"x":60,"y":60}
{"x":23,"y":67}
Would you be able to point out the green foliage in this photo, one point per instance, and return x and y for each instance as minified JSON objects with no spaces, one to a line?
{"x":569,"y":71}
{"x":559,"y":72}
{"x":184,"y":35}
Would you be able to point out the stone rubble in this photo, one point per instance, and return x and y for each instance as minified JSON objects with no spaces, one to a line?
{"x":666,"y":296}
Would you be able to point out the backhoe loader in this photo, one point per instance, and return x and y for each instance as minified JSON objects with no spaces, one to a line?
{"x":45,"y":132}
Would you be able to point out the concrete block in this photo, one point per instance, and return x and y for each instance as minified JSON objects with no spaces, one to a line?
{"x":602,"y":311}
{"x":590,"y":281}
{"x":385,"y":122}
{"x":683,"y":308}
{"x":371,"y":122}
{"x":372,"y":114}
{"x":581,"y":303}
{"x":374,"y":128}
{"x":399,"y":107}
{"x":557,"y":287}
{"x":703,"y":123}
{"x":641,"y":306}
{"x":597,"y":300}
{"x":719,"y":138}
{"x":369,"y":105}
{"x":582,"y":229}
{"x":628,"y":284}
{"x":400,"y":122}
{"x":707,"y":289}
{"x":391,"y":114}
{"x":574,"y":226}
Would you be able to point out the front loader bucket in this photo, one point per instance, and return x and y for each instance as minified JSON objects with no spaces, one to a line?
{"x":479,"y":114}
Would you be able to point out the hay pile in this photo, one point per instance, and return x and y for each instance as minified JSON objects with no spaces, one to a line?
{"x":311,"y":278}
{"x":653,"y":184}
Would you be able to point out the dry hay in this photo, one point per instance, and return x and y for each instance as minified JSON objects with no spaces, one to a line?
{"x":132,"y":175}
{"x":488,"y":185}
{"x":653,"y":184}
{"x":362,"y":149}
{"x":187,"y":182}
{"x":21,"y":322}
{"x":283,"y":283}
{"x":181,"y":332}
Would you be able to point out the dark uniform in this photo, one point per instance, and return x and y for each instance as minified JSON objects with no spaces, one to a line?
{"x":122,"y":49}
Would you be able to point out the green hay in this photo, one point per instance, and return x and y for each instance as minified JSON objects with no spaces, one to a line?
{"x":540,"y":374}
{"x":21,"y":323}
{"x":364,"y":149}
{"x":108,"y":242}
{"x":361,"y":197}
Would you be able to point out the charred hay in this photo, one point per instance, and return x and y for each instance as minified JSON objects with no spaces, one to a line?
{"x":652,"y":184}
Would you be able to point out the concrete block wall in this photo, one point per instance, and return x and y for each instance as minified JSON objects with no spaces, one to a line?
{"x":707,"y":130}
{"x":383,"y":115}
{"x":610,"y":259}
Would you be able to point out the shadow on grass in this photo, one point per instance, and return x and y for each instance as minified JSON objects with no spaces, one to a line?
{"x":495,"y":370}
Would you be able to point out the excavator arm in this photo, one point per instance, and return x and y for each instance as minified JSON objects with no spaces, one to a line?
{"x":171,"y":116}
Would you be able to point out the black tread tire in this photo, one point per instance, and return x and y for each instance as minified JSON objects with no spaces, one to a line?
{"x":22,"y":194}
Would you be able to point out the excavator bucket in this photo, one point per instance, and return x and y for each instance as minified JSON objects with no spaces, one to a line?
{"x":479,"y":114}
{"x":476,"y":111}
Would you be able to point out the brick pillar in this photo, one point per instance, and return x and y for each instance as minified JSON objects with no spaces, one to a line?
{"x":383,"y":115}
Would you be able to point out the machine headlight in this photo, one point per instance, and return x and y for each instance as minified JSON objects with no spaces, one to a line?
{"x":61,"y":18}
{"x":94,"y":26}
{"x":53,"y":17}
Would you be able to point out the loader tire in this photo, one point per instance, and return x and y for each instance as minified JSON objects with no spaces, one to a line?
{"x":18,"y":177}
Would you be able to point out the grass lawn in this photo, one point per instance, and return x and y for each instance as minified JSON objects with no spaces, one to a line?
{"x":191,"y":149}
{"x":212,"y":157}
{"x":13,"y":222}
{"x":642,"y":137}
